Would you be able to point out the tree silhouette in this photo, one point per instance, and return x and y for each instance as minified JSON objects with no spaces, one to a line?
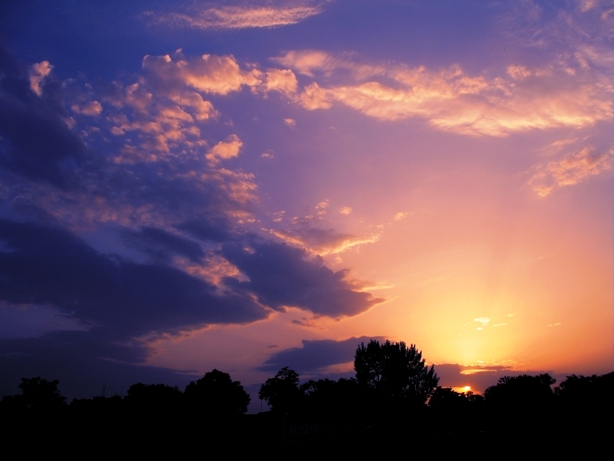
{"x":150,"y":399}
{"x":521,"y":391}
{"x":447,"y":398}
{"x":394,"y":372}
{"x":282,"y":392}
{"x":37,"y":394}
{"x":326,"y":396}
{"x":217,"y":394}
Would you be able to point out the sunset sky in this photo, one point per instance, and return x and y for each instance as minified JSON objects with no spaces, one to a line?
{"x":247,"y":185}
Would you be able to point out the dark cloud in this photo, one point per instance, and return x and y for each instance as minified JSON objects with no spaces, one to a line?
{"x":49,"y":265}
{"x":315,"y":355}
{"x":203,"y":229}
{"x":159,"y":244}
{"x":318,"y":239}
{"x":84,"y":363}
{"x":36,"y":141}
{"x":282,"y":275}
{"x":114,"y":299}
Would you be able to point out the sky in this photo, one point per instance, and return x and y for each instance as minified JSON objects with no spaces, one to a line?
{"x":247,"y":185}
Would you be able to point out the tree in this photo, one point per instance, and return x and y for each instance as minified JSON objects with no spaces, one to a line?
{"x":217,"y":394}
{"x":326,"y":396}
{"x":521,"y":391}
{"x":448,"y":399}
{"x":394,"y":372}
{"x":41,"y":394}
{"x":281,"y":392}
{"x":587,"y":391}
{"x":157,"y":399}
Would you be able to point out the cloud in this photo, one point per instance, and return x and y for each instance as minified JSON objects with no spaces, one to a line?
{"x":573,"y":168}
{"x":570,"y":93}
{"x":163,"y":114}
{"x":150,"y":240}
{"x":50,"y":265}
{"x":322,"y":241}
{"x":282,"y":80}
{"x":290,"y":122}
{"x":305,"y":62}
{"x":225,"y":150}
{"x":208,"y":73}
{"x":281,"y":275}
{"x":314,"y":97}
{"x":580,"y":165}
{"x":46,"y":156}
{"x":240,"y":17}
{"x":84,"y":364}
{"x":206,"y":229}
{"x":145,"y":168}
{"x":91,"y":108}
{"x":346,"y":210}
{"x":586,"y":5}
{"x":37,"y":74}
{"x":160,"y":244}
{"x":482,"y":321}
{"x":315,"y":355}
{"x":399,"y":216}
{"x":32,"y":320}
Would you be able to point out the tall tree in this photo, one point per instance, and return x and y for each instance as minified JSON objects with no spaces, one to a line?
{"x":394,"y":371}
{"x":282,"y":392}
{"x":217,"y":394}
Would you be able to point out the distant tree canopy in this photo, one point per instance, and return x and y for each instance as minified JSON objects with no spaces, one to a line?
{"x":521,"y":391}
{"x":148,"y":398}
{"x":585,"y":391}
{"x":394,"y":372}
{"x":446,"y":397}
{"x":216,"y":393}
{"x":39,"y":395}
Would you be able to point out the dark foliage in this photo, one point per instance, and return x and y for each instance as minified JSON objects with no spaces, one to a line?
{"x":282,"y":392}
{"x":153,"y":400}
{"x":326,"y":396}
{"x":217,"y":395}
{"x":521,"y":392}
{"x":587,"y":391}
{"x":446,"y":397}
{"x":319,"y":416}
{"x":394,"y":372}
{"x":37,"y":395}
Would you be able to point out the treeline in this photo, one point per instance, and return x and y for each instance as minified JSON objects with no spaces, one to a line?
{"x":394,"y":399}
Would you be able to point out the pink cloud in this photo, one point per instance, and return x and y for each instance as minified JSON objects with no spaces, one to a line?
{"x":452,"y":100}
{"x":239,"y":17}
{"x":38,"y":72}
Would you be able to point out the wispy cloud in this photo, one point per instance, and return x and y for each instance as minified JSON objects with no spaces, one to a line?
{"x":322,"y":241}
{"x":575,"y":166}
{"x":240,"y":16}
{"x":565,"y":94}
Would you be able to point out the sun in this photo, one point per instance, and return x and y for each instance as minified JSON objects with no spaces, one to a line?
{"x":462,"y":389}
